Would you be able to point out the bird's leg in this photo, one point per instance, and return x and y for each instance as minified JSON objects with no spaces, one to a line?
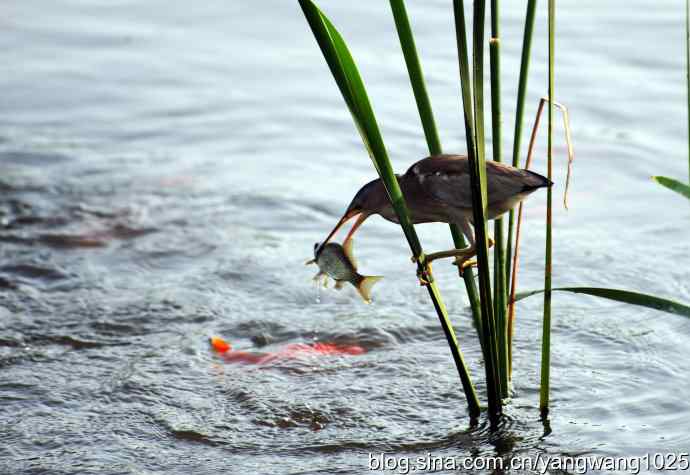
{"x":461,"y":255}
{"x":465,"y":260}
{"x":465,"y":253}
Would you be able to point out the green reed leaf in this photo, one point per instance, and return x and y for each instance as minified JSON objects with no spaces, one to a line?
{"x":624,"y":296}
{"x":673,"y":185}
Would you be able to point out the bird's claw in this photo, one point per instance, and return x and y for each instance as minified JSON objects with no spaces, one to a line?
{"x":464,"y":263}
{"x":424,"y":273}
{"x":423,"y":280}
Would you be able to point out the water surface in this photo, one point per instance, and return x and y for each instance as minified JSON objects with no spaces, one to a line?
{"x":166,"y":169}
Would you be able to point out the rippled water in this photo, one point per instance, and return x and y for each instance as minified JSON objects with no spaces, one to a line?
{"x":166,"y":169}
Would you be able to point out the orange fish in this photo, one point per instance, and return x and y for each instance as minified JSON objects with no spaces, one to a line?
{"x":294,"y":350}
{"x":220,"y":345}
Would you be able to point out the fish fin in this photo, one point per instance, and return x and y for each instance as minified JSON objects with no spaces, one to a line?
{"x":338,"y":284}
{"x":310,"y":261}
{"x":365,"y":284}
{"x":350,"y":255}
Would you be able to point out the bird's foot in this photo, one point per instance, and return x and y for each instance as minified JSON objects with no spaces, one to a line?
{"x":423,"y":269}
{"x":464,"y":263}
{"x":424,"y":273}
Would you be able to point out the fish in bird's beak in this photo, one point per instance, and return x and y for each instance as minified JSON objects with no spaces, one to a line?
{"x":338,"y":262}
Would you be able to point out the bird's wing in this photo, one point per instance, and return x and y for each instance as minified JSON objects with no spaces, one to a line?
{"x":446,"y":178}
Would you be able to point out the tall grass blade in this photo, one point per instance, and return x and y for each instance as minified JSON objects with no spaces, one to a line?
{"x":624,"y":296}
{"x":480,"y":207}
{"x":474,"y":131}
{"x":468,"y":113}
{"x":546,"y":334}
{"x":426,"y":115}
{"x":350,"y":83}
{"x":414,"y":69}
{"x":500,"y":296}
{"x":673,"y":185}
{"x":519,"y":114}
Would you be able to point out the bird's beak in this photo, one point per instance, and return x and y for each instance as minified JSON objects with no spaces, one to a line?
{"x":349,"y":214}
{"x":360,"y":219}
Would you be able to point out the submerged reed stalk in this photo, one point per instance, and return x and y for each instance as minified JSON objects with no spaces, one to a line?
{"x":500,"y":310}
{"x":546,"y":334}
{"x":474,"y":132}
{"x":479,"y":209}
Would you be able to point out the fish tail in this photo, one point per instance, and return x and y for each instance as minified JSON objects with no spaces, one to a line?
{"x":364,"y":285}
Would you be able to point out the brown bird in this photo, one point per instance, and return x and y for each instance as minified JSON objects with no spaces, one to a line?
{"x":437,"y":189}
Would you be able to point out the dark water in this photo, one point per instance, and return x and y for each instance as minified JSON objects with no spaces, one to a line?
{"x":166,"y":168}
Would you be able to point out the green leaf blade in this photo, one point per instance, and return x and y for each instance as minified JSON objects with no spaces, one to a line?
{"x":620,"y":295}
{"x":673,"y":185}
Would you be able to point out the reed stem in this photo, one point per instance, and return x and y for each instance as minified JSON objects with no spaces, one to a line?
{"x":479,"y":208}
{"x":517,"y":137}
{"x":475,"y":152}
{"x":426,"y":115}
{"x":522,"y":82}
{"x":546,"y":335}
{"x":499,"y":249}
{"x":414,"y":69}
{"x":470,"y":285}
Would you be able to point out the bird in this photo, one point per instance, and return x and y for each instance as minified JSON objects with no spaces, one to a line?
{"x":437,"y":189}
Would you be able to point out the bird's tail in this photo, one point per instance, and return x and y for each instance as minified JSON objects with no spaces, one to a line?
{"x":364,"y":285}
{"x":535,"y":180}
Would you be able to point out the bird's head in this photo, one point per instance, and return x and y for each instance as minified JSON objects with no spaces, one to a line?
{"x":370,"y":199}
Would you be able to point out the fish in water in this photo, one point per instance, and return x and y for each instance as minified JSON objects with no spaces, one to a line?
{"x":292,"y":351}
{"x":338,"y":263}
